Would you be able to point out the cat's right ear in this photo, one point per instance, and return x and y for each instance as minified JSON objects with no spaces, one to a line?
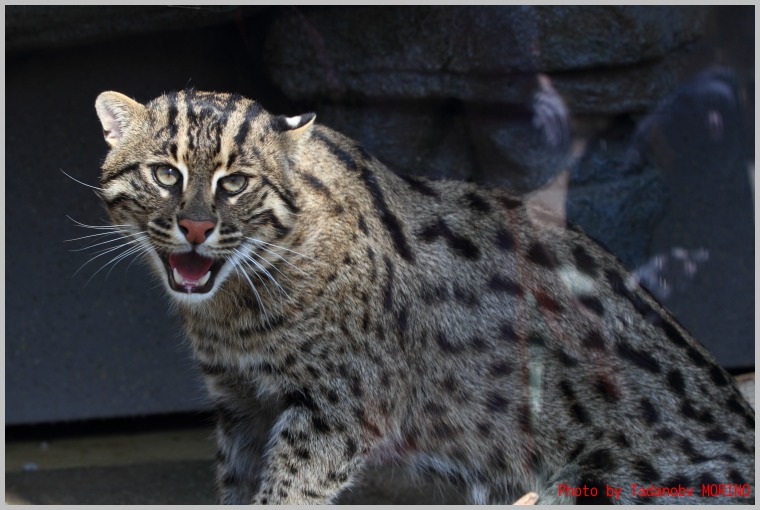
{"x":116,"y":112}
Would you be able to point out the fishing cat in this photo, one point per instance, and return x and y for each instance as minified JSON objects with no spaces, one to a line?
{"x":343,"y":314}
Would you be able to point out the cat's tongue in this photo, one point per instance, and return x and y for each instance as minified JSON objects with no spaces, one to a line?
{"x":190,"y":265}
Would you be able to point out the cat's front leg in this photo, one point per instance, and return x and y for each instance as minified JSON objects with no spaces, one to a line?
{"x":311,"y":459}
{"x":241,"y":437}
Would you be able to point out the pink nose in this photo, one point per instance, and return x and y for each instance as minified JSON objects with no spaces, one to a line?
{"x":195,"y":231}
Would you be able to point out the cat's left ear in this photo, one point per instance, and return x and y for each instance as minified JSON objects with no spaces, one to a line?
{"x":296,"y":128}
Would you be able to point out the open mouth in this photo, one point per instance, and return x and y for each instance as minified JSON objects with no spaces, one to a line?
{"x":191,"y":272}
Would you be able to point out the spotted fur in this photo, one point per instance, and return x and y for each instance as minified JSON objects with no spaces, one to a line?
{"x":359,"y":316}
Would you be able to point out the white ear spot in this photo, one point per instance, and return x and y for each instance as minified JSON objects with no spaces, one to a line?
{"x":298,"y":125}
{"x":293,"y":122}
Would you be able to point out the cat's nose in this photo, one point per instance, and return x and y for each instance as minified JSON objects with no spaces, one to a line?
{"x":196,"y":231}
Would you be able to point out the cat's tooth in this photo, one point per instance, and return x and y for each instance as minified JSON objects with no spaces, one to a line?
{"x":204,"y":279}
{"x":178,"y":277}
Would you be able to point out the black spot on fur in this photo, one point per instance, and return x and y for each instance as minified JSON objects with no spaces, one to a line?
{"x":584,"y":261}
{"x":547,"y":303}
{"x":716,"y":435}
{"x":460,"y":245}
{"x":479,"y":344}
{"x":607,"y":389}
{"x":621,"y":440}
{"x":675,"y":381}
{"x":644,"y":471}
{"x":300,"y":398}
{"x":447,"y":346}
{"x":419,"y":185}
{"x":566,"y":359}
{"x":431,"y":294}
{"x":639,"y":358}
{"x":500,"y":283}
{"x":577,"y":451}
{"x":740,"y":447}
{"x":649,"y":412}
{"x":508,"y":332}
{"x":688,"y":449}
{"x":735,"y":477}
{"x":484,"y":429}
{"x":593,"y":304}
{"x":593,"y":340}
{"x":496,"y":403}
{"x":523,"y":419}
{"x":689,"y":411}
{"x":320,"y":425}
{"x":697,"y":357}
{"x":443,"y":430}
{"x":541,"y":255}
{"x":302,"y":453}
{"x":504,"y":240}
{"x":363,"y":225}
{"x":672,"y":332}
{"x":350,"y":448}
{"x":736,"y":407}
{"x":477,"y":203}
{"x":707,"y":479}
{"x":402,"y":319}
{"x":465,"y":296}
{"x":576,"y":409}
{"x":509,"y":203}
{"x":716,"y":374}
{"x":432,"y":232}
{"x":500,"y":369}
{"x":463,"y":247}
{"x":599,"y":461}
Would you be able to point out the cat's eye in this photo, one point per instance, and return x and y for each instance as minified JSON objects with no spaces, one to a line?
{"x":166,"y":176}
{"x":233,"y":183}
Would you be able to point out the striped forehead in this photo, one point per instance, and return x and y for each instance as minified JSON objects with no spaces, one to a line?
{"x":205,"y":129}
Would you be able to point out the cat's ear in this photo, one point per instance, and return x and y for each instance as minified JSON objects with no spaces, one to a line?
{"x":116,"y":112}
{"x":298,"y":127}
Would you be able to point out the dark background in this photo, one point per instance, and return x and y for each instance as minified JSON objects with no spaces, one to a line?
{"x":79,"y":349}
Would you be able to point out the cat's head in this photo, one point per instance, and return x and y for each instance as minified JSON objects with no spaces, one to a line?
{"x":201,"y":179}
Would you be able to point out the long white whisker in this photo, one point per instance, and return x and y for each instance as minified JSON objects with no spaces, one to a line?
{"x":80,"y":182}
{"x":136,"y":251}
{"x":107,"y":242}
{"x":267,"y":273}
{"x":241,"y":271}
{"x":263,"y":283}
{"x":113,"y":233}
{"x":281,"y":258}
{"x":148,"y":247}
{"x":280,"y":247}
{"x":264,"y":259}
{"x":116,"y":260}
{"x":102,"y":227}
{"x":103,"y":252}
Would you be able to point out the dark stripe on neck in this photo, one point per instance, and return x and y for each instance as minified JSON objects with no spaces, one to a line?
{"x":391,"y":222}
